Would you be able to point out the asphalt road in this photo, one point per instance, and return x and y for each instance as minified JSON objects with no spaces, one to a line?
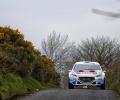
{"x":73,"y":94}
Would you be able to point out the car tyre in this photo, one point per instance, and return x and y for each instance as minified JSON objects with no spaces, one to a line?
{"x":103,"y":86}
{"x":71,"y":86}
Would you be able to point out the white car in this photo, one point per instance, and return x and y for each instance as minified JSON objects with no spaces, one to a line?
{"x":86,"y":74}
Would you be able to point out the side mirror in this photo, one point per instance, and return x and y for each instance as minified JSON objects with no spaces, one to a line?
{"x":104,"y":71}
{"x":102,"y":66}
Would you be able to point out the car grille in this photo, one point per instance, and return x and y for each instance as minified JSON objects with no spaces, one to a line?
{"x":86,"y":79}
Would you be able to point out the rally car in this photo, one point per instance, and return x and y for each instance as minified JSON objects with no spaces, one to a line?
{"x":86,"y":74}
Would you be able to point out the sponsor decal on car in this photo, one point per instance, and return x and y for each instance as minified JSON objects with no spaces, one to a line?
{"x":86,"y":73}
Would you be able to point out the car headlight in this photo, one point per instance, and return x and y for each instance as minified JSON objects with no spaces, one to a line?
{"x":74,"y":75}
{"x":99,"y":75}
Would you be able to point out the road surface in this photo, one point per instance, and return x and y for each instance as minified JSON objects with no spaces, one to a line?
{"x":73,"y":94}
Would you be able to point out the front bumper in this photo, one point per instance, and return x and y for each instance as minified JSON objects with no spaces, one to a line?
{"x":95,"y":82}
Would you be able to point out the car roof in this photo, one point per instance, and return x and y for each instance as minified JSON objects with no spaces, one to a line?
{"x":87,"y":62}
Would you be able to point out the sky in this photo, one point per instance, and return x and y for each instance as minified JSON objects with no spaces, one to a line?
{"x":37,"y":18}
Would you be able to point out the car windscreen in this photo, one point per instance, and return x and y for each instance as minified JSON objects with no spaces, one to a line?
{"x":82,"y":67}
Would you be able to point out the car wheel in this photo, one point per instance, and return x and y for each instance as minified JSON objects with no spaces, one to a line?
{"x":71,"y":86}
{"x":103,"y":86}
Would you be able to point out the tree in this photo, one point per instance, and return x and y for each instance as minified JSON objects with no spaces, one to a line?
{"x":52,"y":45}
{"x":100,"y":49}
{"x":56,"y":47}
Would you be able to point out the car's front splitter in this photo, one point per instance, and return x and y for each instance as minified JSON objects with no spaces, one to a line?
{"x":98,"y":82}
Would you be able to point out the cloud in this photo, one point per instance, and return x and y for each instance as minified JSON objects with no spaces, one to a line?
{"x":106,"y":13}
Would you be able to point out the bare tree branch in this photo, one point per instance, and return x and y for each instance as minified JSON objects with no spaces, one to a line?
{"x":101,"y":49}
{"x":57,"y":48}
{"x":53,"y":44}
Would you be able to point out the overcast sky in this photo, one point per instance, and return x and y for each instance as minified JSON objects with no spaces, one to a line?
{"x":37,"y":18}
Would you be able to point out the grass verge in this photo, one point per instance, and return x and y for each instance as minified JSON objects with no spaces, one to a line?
{"x":11,"y":85}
